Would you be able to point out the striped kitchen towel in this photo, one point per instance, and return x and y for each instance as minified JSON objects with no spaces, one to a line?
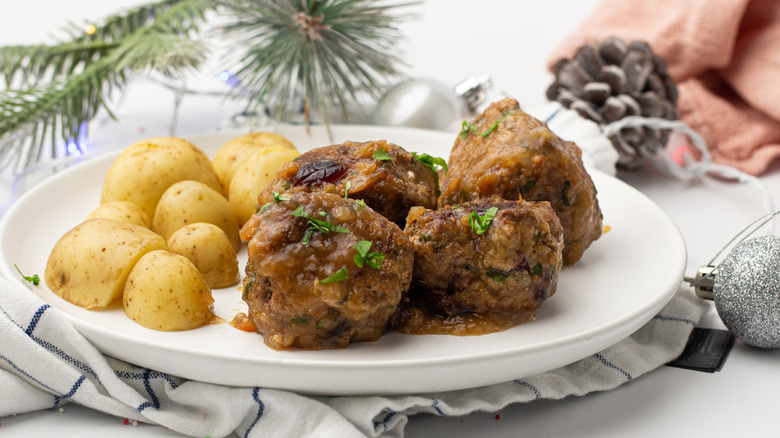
{"x":45,"y":363}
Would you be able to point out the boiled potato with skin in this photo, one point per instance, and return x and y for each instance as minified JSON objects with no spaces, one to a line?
{"x":209,"y":249}
{"x":88,"y":266}
{"x":187,"y":202}
{"x":165,"y":291}
{"x":253,"y":176}
{"x":235,"y":152}
{"x":122,"y":211}
{"x":144,"y":170}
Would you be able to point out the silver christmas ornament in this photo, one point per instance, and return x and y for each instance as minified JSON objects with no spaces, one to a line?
{"x":430,"y":104}
{"x":746,"y":289}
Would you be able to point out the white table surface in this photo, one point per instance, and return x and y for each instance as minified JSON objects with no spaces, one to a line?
{"x":451,"y":40}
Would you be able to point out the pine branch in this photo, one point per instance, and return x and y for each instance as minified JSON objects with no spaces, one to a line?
{"x":65,"y":85}
{"x":324,"y":54}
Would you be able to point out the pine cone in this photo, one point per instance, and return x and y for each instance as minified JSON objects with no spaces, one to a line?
{"x":613,"y":80}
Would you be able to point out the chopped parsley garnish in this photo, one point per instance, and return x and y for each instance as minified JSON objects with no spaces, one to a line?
{"x":434,"y":163}
{"x":537,"y":269}
{"x":498,"y":277}
{"x":277,"y":198}
{"x":373,"y":259}
{"x":34,"y":279}
{"x":565,"y":193}
{"x":361,"y":203}
{"x":528,"y":185}
{"x":481,"y":223}
{"x":347,"y":186}
{"x":298,"y":321}
{"x":249,"y":284}
{"x":382,"y":155}
{"x":341,"y":274}
{"x":467,"y":127}
{"x":317,"y":225}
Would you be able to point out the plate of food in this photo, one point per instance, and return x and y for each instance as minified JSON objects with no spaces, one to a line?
{"x":597,"y":302}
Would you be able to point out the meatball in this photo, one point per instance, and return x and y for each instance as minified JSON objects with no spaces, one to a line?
{"x":490,"y":256}
{"x":388,"y":178}
{"x":323,"y":271}
{"x":508,"y":153}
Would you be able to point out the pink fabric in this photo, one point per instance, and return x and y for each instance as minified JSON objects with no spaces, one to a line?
{"x":724,"y":56}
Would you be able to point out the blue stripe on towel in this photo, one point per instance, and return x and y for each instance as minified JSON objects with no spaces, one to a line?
{"x":604,"y":360}
{"x":674,"y":319}
{"x":149,"y":390}
{"x":126,"y":375}
{"x":37,"y":317}
{"x":143,"y":406}
{"x":435,"y":405}
{"x":65,"y":356}
{"x":72,"y":391}
{"x":383,"y":422}
{"x":25,"y":374}
{"x":260,"y":410}
{"x":527,"y":385}
{"x":47,"y":345}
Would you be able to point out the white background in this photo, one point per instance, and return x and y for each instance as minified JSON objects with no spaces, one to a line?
{"x":449,"y":41}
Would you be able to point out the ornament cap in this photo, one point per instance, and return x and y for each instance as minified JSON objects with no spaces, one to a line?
{"x":473,"y":90}
{"x":704,"y":282}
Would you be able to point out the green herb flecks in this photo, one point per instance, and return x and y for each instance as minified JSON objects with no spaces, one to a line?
{"x":537,"y":269}
{"x":435,"y":163}
{"x":528,"y":185}
{"x":299,"y":321}
{"x":341,"y":274}
{"x":468,"y":127}
{"x":277,"y":198}
{"x":249,"y":284}
{"x":498,"y":277}
{"x":363,"y":256}
{"x":565,"y":194}
{"x":317,"y":225}
{"x":34,"y":279}
{"x":381,"y":155}
{"x":347,"y":186}
{"x":480,"y":223}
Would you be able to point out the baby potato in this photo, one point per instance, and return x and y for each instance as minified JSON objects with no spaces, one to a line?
{"x":89,"y":264}
{"x":122,"y":211}
{"x":165,"y":291}
{"x":209,"y":249}
{"x":145,"y":169}
{"x":253,"y":176}
{"x":235,"y":152}
{"x":187,"y":202}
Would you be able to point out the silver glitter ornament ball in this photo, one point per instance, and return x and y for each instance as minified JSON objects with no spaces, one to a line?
{"x":430,"y":104}
{"x":747,"y":291}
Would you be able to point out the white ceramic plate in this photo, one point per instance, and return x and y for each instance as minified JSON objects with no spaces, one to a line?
{"x":624,"y":279}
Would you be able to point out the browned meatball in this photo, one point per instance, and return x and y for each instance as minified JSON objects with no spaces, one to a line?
{"x":508,"y":153}
{"x":388,"y":178}
{"x":323,"y":271}
{"x":464,"y":262}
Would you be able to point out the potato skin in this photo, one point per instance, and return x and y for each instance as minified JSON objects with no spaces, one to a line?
{"x":187,"y":202}
{"x":89,"y":264}
{"x":237,"y":151}
{"x":122,"y":211}
{"x":145,"y":169}
{"x":165,"y":291}
{"x":254,"y":176}
{"x":209,"y":249}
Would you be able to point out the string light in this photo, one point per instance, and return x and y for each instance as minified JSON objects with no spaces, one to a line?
{"x":90,"y":29}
